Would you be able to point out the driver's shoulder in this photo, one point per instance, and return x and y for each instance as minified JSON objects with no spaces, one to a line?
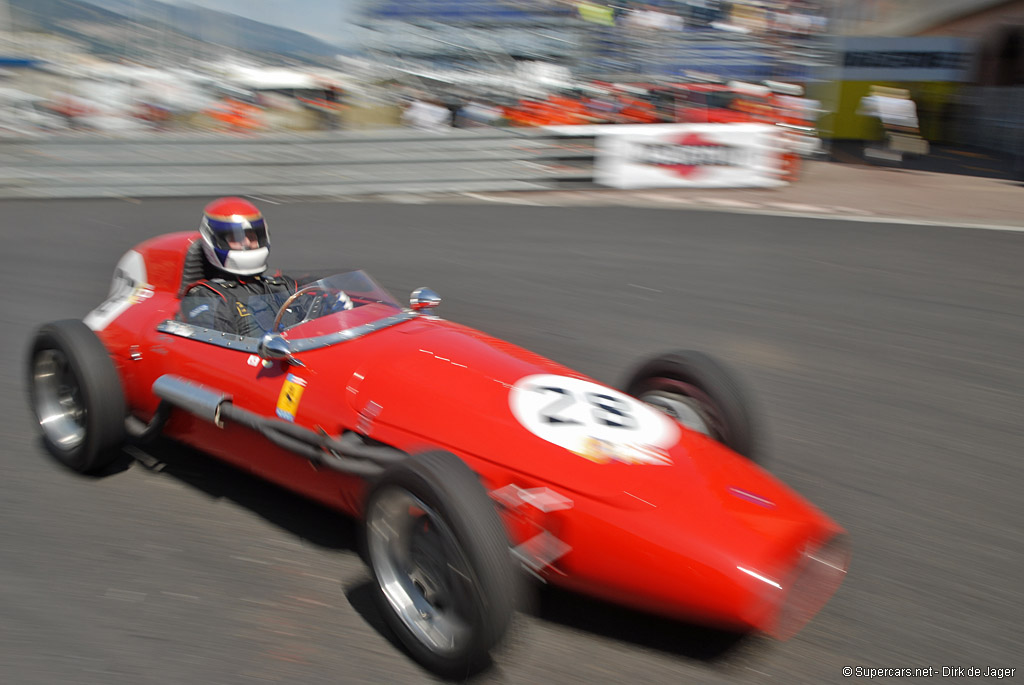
{"x":208,"y":287}
{"x":279,"y":280}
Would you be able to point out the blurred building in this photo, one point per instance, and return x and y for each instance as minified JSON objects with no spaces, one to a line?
{"x":989,"y":113}
{"x":997,"y":27}
{"x":961,"y":60}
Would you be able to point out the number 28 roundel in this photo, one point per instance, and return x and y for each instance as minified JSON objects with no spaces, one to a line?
{"x":592,"y":421}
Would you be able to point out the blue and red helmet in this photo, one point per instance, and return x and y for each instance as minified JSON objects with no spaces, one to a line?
{"x":235,"y":237}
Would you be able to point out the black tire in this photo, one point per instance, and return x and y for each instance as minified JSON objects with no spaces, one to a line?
{"x":445,"y":580}
{"x":696,"y":381}
{"x":76,"y":396}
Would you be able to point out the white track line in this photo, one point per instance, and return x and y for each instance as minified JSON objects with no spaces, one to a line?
{"x":724,"y":205}
{"x":799,"y":207}
{"x":263,"y":199}
{"x":505,"y":200}
{"x":906,"y":221}
{"x":727,"y":202}
{"x":669,"y":199}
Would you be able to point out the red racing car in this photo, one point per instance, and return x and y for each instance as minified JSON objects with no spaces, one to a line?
{"x":466,"y":457}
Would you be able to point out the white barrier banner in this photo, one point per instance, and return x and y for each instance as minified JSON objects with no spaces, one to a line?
{"x":688,"y":156}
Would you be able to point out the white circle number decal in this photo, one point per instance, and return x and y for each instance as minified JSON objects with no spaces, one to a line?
{"x":128,"y":287}
{"x":591,"y":420}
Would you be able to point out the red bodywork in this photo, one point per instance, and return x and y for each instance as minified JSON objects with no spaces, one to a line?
{"x":709,"y":537}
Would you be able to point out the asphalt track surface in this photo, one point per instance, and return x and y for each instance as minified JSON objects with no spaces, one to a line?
{"x":885,"y":360}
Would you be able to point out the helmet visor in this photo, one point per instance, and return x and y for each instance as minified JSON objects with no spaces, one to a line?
{"x":238,"y":234}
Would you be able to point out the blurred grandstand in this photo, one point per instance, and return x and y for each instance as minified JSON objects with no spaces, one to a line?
{"x":623,"y":41}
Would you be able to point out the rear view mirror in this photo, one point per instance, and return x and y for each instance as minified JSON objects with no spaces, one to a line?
{"x":424,"y":298}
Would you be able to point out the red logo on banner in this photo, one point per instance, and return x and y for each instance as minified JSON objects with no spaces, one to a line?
{"x":700,"y":149}
{"x":686,"y":154}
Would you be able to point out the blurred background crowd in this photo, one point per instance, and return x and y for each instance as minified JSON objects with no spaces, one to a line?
{"x":135,"y":66}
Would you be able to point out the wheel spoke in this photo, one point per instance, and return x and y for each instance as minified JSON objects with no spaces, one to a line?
{"x":412,"y":551}
{"x":58,"y":399}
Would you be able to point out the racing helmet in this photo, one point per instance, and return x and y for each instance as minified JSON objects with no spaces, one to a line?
{"x":235,"y":237}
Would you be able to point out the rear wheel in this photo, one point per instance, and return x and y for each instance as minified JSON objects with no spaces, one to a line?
{"x":440,"y":555}
{"x":701,"y":393}
{"x":76,"y":396}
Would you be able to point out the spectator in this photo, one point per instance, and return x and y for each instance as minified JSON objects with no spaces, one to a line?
{"x":427,"y":115}
{"x":480,"y":113}
{"x":897,"y":114}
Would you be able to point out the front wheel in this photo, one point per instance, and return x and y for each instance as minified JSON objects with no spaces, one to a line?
{"x":440,"y":556}
{"x":76,"y":395}
{"x":702,"y":394}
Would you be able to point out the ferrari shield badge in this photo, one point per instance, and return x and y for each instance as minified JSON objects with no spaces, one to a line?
{"x":592,"y":421}
{"x":288,"y":400}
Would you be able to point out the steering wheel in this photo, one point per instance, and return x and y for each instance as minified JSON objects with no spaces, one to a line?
{"x":308,"y":290}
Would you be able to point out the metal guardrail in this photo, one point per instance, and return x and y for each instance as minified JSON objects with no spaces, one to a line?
{"x":306,"y":165}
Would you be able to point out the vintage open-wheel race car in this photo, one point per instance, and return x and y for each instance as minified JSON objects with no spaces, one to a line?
{"x":468,"y":459}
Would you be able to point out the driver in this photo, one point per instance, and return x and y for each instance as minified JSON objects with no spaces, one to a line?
{"x":236,"y":245}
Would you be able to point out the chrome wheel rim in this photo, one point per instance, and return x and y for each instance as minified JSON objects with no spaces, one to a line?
{"x":421,"y":570}
{"x":59,"y":404}
{"x":683,"y":409}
